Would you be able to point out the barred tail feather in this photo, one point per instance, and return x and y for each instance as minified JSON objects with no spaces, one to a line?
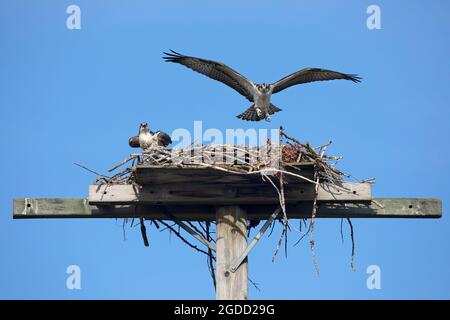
{"x":272,"y":109}
{"x":249,"y":115}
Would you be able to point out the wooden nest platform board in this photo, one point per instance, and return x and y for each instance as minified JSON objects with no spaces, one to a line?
{"x":202,"y":185}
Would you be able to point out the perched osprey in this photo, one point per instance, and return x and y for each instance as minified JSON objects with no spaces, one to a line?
{"x":147,"y":138}
{"x":259,"y":94}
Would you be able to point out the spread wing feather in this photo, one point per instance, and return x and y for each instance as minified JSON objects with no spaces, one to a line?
{"x":310,"y":75}
{"x":215,"y":70}
{"x":163,"y":138}
{"x":134,"y":142}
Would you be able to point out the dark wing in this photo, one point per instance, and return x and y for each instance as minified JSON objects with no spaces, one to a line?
{"x":215,"y":70}
{"x":310,"y":75}
{"x":163,"y":138}
{"x":134,"y":142}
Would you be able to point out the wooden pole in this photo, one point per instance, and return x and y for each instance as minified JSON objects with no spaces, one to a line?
{"x":231,"y":240}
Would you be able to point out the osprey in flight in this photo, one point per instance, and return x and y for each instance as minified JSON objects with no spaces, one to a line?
{"x":259,"y":94}
{"x":147,"y":139}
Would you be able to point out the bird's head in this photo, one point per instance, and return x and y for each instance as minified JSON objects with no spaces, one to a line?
{"x":143,"y":127}
{"x":264,"y":87}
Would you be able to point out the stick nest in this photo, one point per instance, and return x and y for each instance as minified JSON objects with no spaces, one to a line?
{"x":271,"y":161}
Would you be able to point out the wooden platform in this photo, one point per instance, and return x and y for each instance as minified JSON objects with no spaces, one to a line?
{"x":155,"y":175}
{"x":194,"y":194}
{"x":197,"y":185}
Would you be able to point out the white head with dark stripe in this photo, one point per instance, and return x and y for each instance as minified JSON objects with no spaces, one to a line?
{"x":143,"y":127}
{"x":263,"y":87}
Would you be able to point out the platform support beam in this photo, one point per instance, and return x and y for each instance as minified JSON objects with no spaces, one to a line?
{"x":42,"y":208}
{"x":231,"y":241}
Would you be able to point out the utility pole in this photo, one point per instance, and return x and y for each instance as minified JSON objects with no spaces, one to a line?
{"x":231,"y":241}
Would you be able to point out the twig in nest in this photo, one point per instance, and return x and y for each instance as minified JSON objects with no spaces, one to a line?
{"x":282,"y":199}
{"x":133,"y":156}
{"x":271,"y":229}
{"x":353,"y":244}
{"x":255,"y":284}
{"x":282,"y":205}
{"x":164,"y":229}
{"x":292,"y":139}
{"x":283,"y":232}
{"x":178,"y":234}
{"x":303,"y":235}
{"x":285,"y":243}
{"x":203,"y":227}
{"x":193,"y":227}
{"x":156,"y":223}
{"x":144,"y":232}
{"x":324,"y":147}
{"x":271,"y":170}
{"x":210,"y":256}
{"x":91,"y":171}
{"x":313,"y":216}
{"x":123,"y":229}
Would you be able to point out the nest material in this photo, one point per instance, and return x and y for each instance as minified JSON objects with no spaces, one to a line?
{"x":270,"y":161}
{"x":297,"y":152}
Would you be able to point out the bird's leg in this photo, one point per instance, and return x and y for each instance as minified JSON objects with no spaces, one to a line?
{"x":258,"y":112}
{"x":268,"y":117}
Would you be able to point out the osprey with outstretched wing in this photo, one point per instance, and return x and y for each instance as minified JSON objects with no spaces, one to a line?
{"x":147,"y":138}
{"x":259,"y":94}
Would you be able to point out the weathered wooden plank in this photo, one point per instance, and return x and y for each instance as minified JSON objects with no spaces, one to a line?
{"x":231,"y":241}
{"x":80,"y":208}
{"x":25,"y":208}
{"x":223,"y":194}
{"x":150,"y":174}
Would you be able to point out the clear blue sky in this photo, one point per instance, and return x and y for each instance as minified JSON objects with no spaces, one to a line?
{"x":77,"y":95}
